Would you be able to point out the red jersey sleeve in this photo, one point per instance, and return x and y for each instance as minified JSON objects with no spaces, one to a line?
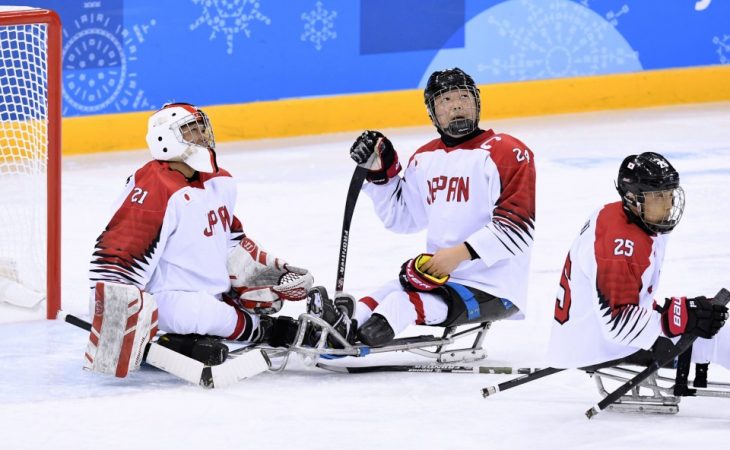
{"x":124,"y":251}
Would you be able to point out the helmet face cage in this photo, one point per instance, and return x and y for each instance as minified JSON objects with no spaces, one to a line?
{"x":669,"y":203}
{"x":439,"y":100}
{"x":455,"y":110}
{"x":650,"y":191}
{"x":194,"y":129}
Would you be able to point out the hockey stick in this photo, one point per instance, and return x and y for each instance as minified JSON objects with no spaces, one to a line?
{"x":684,"y":343}
{"x":536,"y":375}
{"x":430,"y":368}
{"x":353,"y":192}
{"x":193,"y":371}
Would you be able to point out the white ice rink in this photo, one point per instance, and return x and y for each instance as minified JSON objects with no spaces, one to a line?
{"x":291,"y":199}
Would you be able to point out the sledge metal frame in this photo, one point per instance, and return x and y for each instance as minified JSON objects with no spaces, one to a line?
{"x":419,"y":345}
{"x":661,"y":398}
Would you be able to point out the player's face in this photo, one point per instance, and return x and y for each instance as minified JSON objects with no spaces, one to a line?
{"x":658,"y":206}
{"x":195,"y":133}
{"x":454,"y":105}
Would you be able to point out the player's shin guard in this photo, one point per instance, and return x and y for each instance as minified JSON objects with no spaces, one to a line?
{"x":125,"y":320}
{"x":376,"y":331}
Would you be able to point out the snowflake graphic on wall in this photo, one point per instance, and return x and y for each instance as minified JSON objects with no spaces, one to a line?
{"x":611,"y":16}
{"x":98,"y":61}
{"x":723,"y":48}
{"x":319,"y":26}
{"x":229,"y":17}
{"x":554,"y":39}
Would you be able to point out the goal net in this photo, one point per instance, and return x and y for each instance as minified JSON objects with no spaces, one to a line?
{"x":30,"y":66}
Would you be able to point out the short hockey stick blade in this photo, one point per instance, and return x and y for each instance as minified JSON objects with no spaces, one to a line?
{"x":175,"y":363}
{"x":245,"y":365}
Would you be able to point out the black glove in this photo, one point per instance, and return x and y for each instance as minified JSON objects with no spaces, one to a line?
{"x":698,"y":316}
{"x":375,"y":152}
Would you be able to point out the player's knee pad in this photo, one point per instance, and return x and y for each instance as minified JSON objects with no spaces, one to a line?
{"x":376,"y":331}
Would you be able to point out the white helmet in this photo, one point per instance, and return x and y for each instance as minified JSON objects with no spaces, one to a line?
{"x":182,"y":132}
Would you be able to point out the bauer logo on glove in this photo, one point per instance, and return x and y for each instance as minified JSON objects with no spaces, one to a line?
{"x":413,"y":278}
{"x":698,"y":316}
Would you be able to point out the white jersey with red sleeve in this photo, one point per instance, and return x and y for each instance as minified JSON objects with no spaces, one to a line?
{"x":604,"y":306}
{"x":481,"y":191}
{"x":170,"y":233}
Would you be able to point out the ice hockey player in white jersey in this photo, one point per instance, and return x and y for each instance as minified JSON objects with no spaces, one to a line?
{"x":175,"y":252}
{"x":605,"y":308}
{"x":473,"y":190}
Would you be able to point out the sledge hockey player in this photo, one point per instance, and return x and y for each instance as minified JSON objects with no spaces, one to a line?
{"x":474,"y":192}
{"x":174,"y":254}
{"x":605,"y":310}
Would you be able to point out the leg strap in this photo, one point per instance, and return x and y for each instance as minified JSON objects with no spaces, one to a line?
{"x":470,"y":303}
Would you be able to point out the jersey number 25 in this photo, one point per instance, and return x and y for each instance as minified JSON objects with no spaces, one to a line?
{"x":562,"y":305}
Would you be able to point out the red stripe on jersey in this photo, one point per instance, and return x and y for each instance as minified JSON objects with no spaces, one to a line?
{"x":418,"y":304}
{"x":240,"y":325}
{"x":623,"y":252}
{"x":369,"y":302}
{"x":236,"y":225}
{"x":516,"y":166}
{"x":262,"y":257}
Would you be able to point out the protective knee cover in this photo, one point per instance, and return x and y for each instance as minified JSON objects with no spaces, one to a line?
{"x":206,"y":349}
{"x":376,"y":331}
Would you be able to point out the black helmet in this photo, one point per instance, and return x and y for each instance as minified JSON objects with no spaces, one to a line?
{"x":448,"y":80}
{"x":650,"y":174}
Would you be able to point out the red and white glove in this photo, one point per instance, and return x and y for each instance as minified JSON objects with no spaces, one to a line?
{"x":698,"y":316}
{"x":260,"y":282}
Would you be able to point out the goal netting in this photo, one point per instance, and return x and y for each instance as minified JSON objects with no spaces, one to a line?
{"x":29,"y":161}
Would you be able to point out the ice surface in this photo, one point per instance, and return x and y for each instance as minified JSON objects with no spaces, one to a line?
{"x":291,"y":198}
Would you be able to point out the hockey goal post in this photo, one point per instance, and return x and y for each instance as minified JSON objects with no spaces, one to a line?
{"x":30,"y":157}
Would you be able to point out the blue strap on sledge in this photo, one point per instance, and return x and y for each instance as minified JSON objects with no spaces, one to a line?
{"x":471,"y":304}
